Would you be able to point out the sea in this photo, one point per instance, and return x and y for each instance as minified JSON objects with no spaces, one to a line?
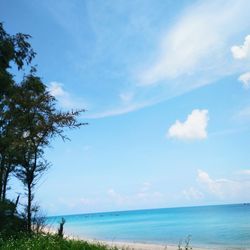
{"x":212,"y":227}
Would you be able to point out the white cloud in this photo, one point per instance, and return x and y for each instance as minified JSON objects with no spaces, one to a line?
{"x":192,"y":50}
{"x":194,"y":128}
{"x":245,"y":79}
{"x":192,"y":194}
{"x":222,"y":188}
{"x":196,"y":43}
{"x":242,"y":51}
{"x":56,"y":89}
{"x":64,"y":98}
{"x":213,"y":186}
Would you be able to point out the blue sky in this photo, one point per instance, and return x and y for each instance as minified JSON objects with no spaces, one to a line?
{"x":166,"y":85}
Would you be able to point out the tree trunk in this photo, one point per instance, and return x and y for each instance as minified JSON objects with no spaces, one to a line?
{"x":16,"y":203}
{"x":5,"y":181}
{"x":1,"y":183}
{"x":1,"y":177}
{"x":29,"y":209}
{"x":4,"y":188}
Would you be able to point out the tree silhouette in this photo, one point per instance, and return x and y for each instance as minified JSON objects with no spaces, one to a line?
{"x":14,"y":50}
{"x":29,"y":120}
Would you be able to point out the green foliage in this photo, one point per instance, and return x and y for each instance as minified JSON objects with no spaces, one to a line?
{"x":47,"y":242}
{"x":37,"y":122}
{"x":10,"y":222}
{"x":186,"y":244}
{"x":14,"y":48}
{"x":29,"y":120}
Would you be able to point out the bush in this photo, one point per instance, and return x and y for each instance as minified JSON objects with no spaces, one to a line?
{"x":47,"y":242}
{"x":10,"y":222}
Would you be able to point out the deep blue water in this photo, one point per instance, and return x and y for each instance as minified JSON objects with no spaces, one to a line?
{"x":224,"y":226}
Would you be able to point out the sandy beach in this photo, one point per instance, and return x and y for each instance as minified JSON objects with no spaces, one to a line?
{"x":130,"y":245}
{"x":122,"y":245}
{"x":143,"y":246}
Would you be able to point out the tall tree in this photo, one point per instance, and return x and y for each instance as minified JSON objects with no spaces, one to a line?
{"x":14,"y":50}
{"x":38,"y":121}
{"x":29,"y":119}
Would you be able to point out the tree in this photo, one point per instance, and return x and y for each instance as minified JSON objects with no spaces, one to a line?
{"x":16,"y":50}
{"x":29,"y":120}
{"x":38,"y":121}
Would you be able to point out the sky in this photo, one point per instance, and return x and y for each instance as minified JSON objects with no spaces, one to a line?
{"x":166,"y":88}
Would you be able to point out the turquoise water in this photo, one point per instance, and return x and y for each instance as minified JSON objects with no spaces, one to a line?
{"x":223,"y":227}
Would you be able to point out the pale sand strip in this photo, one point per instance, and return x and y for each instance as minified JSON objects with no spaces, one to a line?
{"x":125,"y":245}
{"x":134,"y":245}
{"x":143,"y":246}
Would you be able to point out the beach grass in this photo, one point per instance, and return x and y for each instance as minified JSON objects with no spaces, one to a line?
{"x":47,"y":242}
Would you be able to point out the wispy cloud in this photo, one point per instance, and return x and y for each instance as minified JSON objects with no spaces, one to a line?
{"x":223,"y":188}
{"x":244,"y":113}
{"x":244,"y":172}
{"x":65,"y":99}
{"x":145,"y":195}
{"x":194,"y":51}
{"x":245,"y":79}
{"x":194,"y":128}
{"x":124,"y":109}
{"x":118,"y":198}
{"x":76,"y":203}
{"x":56,"y":90}
{"x":192,"y":194}
{"x":126,"y":97}
{"x":197,"y":43}
{"x":218,"y":187}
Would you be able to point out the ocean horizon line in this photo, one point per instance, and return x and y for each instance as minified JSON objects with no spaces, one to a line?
{"x":148,"y":209}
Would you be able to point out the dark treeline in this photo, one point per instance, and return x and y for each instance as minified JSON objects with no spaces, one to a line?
{"x":29,"y":120}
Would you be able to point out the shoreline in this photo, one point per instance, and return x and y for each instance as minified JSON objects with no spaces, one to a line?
{"x":142,"y":246}
{"x":126,"y":245}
